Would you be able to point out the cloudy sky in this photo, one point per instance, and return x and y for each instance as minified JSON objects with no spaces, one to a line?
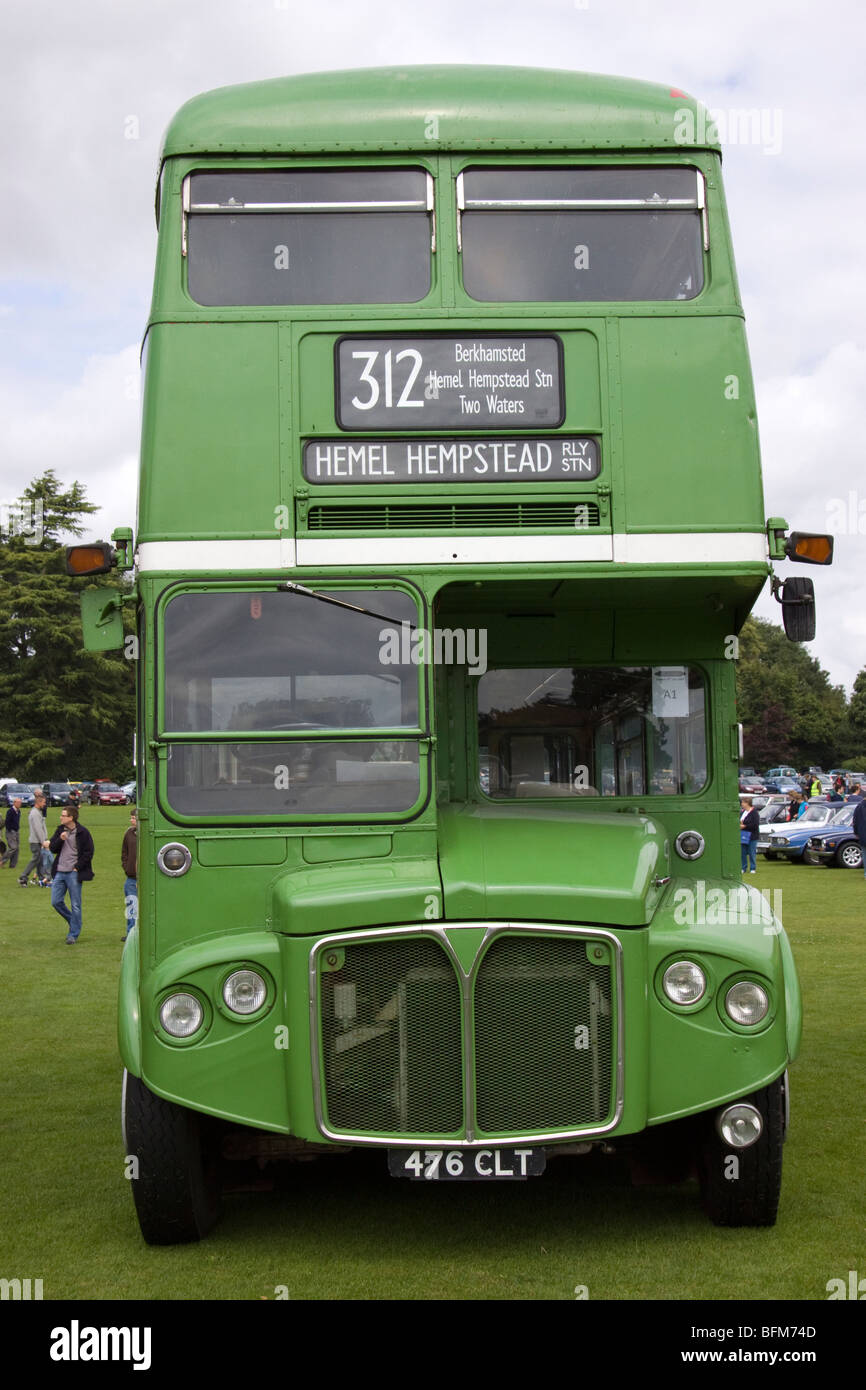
{"x":89,"y":88}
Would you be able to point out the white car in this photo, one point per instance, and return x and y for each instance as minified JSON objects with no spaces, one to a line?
{"x":788,"y":839}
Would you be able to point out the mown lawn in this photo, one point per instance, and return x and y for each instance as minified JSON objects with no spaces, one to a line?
{"x":344,"y":1229}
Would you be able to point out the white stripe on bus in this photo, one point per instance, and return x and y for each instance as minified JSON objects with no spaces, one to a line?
{"x":689,"y":548}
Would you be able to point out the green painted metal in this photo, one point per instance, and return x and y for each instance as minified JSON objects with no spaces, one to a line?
{"x":423,"y":108}
{"x":232,"y":394}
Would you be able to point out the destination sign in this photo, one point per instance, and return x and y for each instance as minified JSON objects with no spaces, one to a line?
{"x":441,"y":382}
{"x":563,"y":458}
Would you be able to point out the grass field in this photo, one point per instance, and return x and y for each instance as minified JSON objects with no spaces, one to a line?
{"x":343,"y":1228}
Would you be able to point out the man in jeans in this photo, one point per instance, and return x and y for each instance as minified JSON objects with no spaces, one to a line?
{"x":37,"y":834}
{"x":72,"y":844}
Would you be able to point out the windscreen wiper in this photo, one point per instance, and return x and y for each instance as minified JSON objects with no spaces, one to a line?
{"x":289,"y":588}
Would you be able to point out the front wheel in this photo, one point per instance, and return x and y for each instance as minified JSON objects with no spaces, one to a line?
{"x":849,"y":856}
{"x":741,"y":1187}
{"x":174,"y":1181}
{"x":768,"y":854}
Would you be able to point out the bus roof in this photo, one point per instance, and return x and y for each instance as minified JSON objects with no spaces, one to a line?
{"x":446,"y":107}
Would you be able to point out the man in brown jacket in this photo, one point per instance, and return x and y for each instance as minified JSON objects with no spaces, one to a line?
{"x":129,"y":860}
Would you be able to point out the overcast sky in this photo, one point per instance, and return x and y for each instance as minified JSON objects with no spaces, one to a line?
{"x":89,"y":88}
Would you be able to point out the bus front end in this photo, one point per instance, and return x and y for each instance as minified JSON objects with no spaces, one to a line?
{"x":450,"y":515}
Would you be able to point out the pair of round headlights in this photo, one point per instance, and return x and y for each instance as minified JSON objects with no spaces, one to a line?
{"x":182,"y":1014}
{"x":746,"y":1002}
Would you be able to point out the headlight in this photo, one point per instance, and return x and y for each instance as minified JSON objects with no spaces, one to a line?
{"x":689,"y":844}
{"x":746,"y":1002}
{"x":780,"y":839}
{"x":244,"y":992}
{"x":684,"y":982}
{"x":174,"y":860}
{"x":181,"y":1015}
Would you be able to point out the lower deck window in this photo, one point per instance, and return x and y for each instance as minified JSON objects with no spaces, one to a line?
{"x":357,"y":777}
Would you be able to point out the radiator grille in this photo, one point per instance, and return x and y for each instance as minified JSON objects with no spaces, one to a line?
{"x":543,"y":1046}
{"x":391,"y":1039}
{"x":576,"y":515}
{"x":543,"y":1037}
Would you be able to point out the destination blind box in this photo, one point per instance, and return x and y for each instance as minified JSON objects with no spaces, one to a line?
{"x":442,"y":382}
{"x":556,"y":459}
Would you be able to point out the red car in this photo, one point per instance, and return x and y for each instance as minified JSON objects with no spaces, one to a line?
{"x":107,"y":794}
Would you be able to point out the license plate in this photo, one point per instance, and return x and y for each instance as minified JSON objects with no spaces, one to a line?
{"x":466,"y":1165}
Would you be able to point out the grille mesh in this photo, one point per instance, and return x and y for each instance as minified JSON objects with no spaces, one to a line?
{"x":453,"y":516}
{"x":544,"y":1038}
{"x":531,"y":998}
{"x":391,"y":1040}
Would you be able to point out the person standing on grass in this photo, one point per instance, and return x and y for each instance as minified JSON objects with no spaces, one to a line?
{"x":129,"y":860}
{"x":72,"y":846}
{"x":750,"y":829}
{"x":13,"y":831}
{"x":37,"y":833}
{"x":858,"y":825}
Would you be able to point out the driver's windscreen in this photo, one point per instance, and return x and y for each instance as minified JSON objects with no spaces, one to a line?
{"x":278,"y":661}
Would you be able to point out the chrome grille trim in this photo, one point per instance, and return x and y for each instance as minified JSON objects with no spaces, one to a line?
{"x":465,"y":979}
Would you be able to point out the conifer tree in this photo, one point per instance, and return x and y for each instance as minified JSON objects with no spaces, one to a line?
{"x":64,"y":712}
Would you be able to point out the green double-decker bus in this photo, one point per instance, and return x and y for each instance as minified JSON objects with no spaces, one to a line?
{"x":450,"y":513}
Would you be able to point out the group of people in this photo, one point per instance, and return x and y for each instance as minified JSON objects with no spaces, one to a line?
{"x":750,"y":821}
{"x":65,"y":860}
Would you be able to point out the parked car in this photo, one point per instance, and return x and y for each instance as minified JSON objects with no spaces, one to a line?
{"x":837,"y":845}
{"x":107,"y":794}
{"x":774,"y":809}
{"x":57,"y":793}
{"x":128,"y":790}
{"x":783,"y":785}
{"x":749,"y":783}
{"x":775,"y":772}
{"x":13,"y":790}
{"x":788,"y":840}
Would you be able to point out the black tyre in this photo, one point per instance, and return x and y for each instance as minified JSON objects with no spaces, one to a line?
{"x":769,"y":855}
{"x":849,"y":856}
{"x":740,"y":1187}
{"x":175,"y":1184}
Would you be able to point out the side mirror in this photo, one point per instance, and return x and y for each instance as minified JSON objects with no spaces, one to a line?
{"x":101,"y":620}
{"x":798,"y":609}
{"x":809,"y":549}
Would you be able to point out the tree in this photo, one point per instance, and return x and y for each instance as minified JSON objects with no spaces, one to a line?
{"x":855,"y":742}
{"x":790,"y":711}
{"x":63,"y":711}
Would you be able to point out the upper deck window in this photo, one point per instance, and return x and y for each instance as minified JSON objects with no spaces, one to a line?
{"x":309,"y":236}
{"x":582,"y":235}
{"x":592,"y":731}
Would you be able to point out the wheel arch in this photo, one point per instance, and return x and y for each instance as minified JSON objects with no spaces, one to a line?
{"x":128,"y":1008}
